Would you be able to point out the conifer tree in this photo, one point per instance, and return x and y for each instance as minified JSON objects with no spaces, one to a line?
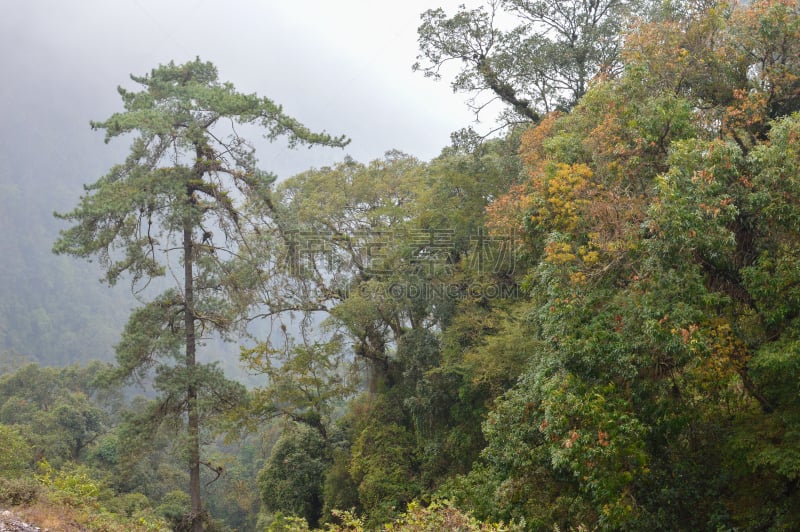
{"x":173,"y":209}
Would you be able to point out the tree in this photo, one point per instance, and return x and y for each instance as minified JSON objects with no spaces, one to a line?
{"x":542,"y":64}
{"x":174,"y":207}
{"x":306,"y":381}
{"x":291,"y":480}
{"x":16,"y":452}
{"x":61,"y":411}
{"x":661,"y":214}
{"x":337,"y":247}
{"x":387,"y":250}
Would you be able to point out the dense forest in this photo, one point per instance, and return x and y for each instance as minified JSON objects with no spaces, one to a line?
{"x":585,"y":319}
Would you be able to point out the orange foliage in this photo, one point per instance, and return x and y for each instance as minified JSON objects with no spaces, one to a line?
{"x":506,"y":213}
{"x":768,"y":39}
{"x":658,"y":54}
{"x":531,"y":148}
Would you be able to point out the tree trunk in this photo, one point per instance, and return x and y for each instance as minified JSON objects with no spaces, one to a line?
{"x":193,"y":427}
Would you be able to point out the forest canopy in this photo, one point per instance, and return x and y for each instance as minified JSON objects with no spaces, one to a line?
{"x":590,"y":321}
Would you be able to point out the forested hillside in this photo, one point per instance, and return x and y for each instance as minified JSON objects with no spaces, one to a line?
{"x":51,"y":309}
{"x":588,"y":319}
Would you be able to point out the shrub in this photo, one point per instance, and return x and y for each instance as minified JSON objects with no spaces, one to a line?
{"x":440,"y":516}
{"x":18,"y":491}
{"x":72,"y":488}
{"x":16,"y":455}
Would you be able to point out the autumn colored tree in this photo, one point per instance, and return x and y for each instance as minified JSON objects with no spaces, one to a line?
{"x":656,"y":211}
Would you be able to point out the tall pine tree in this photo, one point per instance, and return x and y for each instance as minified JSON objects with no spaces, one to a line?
{"x":173,"y":208}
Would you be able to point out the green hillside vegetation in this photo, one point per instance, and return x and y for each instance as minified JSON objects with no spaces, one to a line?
{"x":589,"y":322}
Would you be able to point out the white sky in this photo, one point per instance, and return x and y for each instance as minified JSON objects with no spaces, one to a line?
{"x":343,"y":66}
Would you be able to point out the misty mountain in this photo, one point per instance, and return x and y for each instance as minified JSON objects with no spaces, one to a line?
{"x":52,"y":309}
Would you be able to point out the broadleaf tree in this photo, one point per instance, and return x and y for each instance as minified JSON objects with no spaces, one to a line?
{"x":173,"y":209}
{"x":531,"y":56}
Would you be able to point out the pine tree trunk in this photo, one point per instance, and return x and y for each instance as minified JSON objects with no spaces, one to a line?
{"x":191,"y":391}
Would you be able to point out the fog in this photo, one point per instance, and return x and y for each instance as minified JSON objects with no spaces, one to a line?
{"x":343,"y":67}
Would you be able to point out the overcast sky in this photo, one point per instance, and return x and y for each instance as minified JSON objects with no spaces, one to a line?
{"x":343,"y":66}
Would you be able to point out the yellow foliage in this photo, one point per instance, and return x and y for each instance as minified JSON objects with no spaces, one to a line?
{"x":559,"y":253}
{"x":721,"y":353}
{"x":564,"y":191}
{"x":588,"y":255}
{"x":577,"y":278}
{"x":728,"y":352}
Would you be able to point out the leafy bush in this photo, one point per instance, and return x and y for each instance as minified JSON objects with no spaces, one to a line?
{"x":18,"y":491}
{"x":174,"y":506}
{"x":16,"y":453}
{"x":291,"y":480}
{"x":440,"y":516}
{"x":282,"y":523}
{"x":72,"y":488}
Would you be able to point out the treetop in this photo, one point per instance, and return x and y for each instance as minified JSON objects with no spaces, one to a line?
{"x":190,"y":96}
